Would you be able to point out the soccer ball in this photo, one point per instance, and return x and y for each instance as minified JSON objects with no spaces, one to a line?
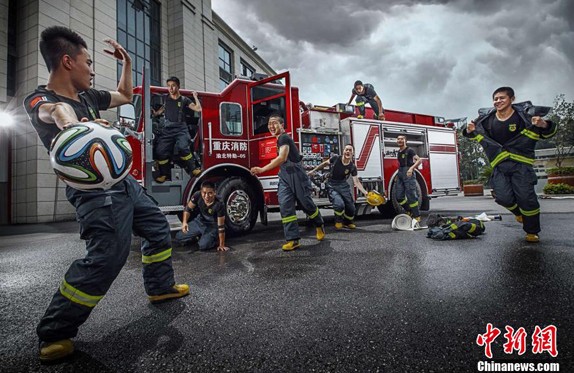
{"x":89,"y":155}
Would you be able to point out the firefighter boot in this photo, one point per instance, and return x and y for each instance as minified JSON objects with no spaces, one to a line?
{"x":531,"y":237}
{"x":191,"y":167}
{"x":518,"y":218}
{"x":177,"y":291}
{"x":350,"y":225}
{"x":164,"y":170}
{"x":54,"y":351}
{"x":338,"y":226}
{"x":320,"y":233}
{"x":291,"y":245}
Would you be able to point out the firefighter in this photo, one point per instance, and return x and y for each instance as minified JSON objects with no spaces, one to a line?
{"x":106,"y":218}
{"x":508,"y":134}
{"x":175,"y":137}
{"x":294,"y":185}
{"x":209,"y":224}
{"x":406,"y":187}
{"x":339,"y":189}
{"x":366,"y":95}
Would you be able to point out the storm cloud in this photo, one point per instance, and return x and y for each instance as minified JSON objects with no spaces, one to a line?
{"x":437,"y":57}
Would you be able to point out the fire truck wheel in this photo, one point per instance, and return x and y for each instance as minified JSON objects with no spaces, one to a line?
{"x":392,"y":208}
{"x":240,"y":205}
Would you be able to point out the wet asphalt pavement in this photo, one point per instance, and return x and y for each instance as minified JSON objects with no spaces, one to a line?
{"x":372,"y":299}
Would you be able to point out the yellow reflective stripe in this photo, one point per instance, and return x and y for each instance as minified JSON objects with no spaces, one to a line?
{"x":452,"y":235}
{"x":348,"y":217}
{"x":78,"y":296}
{"x":530,"y":212}
{"x":289,"y":219}
{"x":477,"y":138}
{"x":163,"y":161}
{"x":521,"y":159}
{"x":403,"y":202}
{"x":472,"y":228}
{"x":314,"y":215}
{"x":414,"y":204}
{"x":499,"y":158}
{"x":512,"y":207}
{"x":530,"y":134}
{"x":187,"y":157}
{"x":339,"y":213}
{"x":551,"y":133}
{"x":361,"y":103}
{"x":155,"y":258}
{"x":453,"y":226}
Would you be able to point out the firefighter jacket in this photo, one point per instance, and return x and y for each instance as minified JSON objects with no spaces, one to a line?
{"x":519,"y":148}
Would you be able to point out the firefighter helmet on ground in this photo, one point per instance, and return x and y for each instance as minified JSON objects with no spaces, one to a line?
{"x":89,"y":155}
{"x":375,"y":198}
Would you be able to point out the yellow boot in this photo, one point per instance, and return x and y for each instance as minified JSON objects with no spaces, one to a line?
{"x":52,"y":351}
{"x":177,"y":291}
{"x":338,"y":226}
{"x":291,"y":245}
{"x":518,"y":218}
{"x":320,"y":233}
{"x":531,"y":237}
{"x":350,"y":225}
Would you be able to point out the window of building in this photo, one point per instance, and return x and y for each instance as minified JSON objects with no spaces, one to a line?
{"x":231,"y":123}
{"x":12,"y":48}
{"x":225,"y":56}
{"x":139,"y":32}
{"x":246,"y":69}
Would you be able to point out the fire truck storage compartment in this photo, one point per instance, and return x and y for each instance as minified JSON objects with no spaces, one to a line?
{"x":324,"y":120}
{"x":416,"y":140}
{"x":444,"y":161}
{"x":317,"y":147}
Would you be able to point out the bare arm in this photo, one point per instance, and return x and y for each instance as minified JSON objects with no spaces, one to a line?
{"x":381,"y":110}
{"x":319,"y":167}
{"x":359,"y":185}
{"x":124,"y":92}
{"x":197,"y":105}
{"x":186,"y":214}
{"x":411,"y":169}
{"x":221,"y":232}
{"x":276,"y":162}
{"x":59,"y":113}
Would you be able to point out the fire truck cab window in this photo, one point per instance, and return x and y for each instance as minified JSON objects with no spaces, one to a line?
{"x":230,"y":122}
{"x":263,"y":110}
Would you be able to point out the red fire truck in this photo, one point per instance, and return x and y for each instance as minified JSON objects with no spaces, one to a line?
{"x":233,"y":137}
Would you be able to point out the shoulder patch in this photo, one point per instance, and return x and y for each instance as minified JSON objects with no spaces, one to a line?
{"x":38,"y":99}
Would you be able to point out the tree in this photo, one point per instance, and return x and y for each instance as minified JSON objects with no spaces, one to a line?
{"x":563,"y":116}
{"x":471,"y":158}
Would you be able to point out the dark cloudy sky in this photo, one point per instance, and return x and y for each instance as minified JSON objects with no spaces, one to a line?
{"x":435,"y":57}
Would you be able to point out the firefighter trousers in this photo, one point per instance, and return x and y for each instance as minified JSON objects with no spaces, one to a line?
{"x":513,"y":184}
{"x":342,"y":199}
{"x":174,"y":140}
{"x":295,"y":187}
{"x":361,"y":101}
{"x":406,"y":188}
{"x":207,"y":233}
{"x":107,"y":219}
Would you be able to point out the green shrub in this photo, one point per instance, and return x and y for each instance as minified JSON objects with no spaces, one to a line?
{"x":560,"y":188}
{"x":560,"y":171}
{"x":472,"y":182}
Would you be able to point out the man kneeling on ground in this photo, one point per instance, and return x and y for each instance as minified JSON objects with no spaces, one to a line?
{"x":209,"y":222}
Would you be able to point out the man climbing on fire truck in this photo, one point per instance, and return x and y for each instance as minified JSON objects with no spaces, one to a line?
{"x":366,"y":95}
{"x":340,"y":193}
{"x":175,"y":138}
{"x":294,"y":185}
{"x":406,"y":178}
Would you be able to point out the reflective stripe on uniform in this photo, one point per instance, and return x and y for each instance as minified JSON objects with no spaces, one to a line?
{"x":451,"y":235}
{"x":414,"y":204}
{"x":530,"y":134}
{"x":499,"y":158}
{"x":348,"y":217}
{"x":289,"y":219}
{"x":530,"y":212}
{"x":472,"y":228}
{"x":314,"y":215}
{"x":155,"y":258}
{"x":338,"y":213}
{"x":521,"y":159}
{"x":163,"y":161}
{"x":187,"y":157}
{"x":513,"y":207}
{"x":477,"y":138}
{"x":551,"y":133}
{"x":78,"y":296}
{"x":360,"y":103}
{"x":403,"y":201}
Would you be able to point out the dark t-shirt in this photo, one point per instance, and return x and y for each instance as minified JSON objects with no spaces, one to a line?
{"x":368,"y":91}
{"x":208,"y":213}
{"x":89,"y":106}
{"x":406,"y":157}
{"x":502,"y":131}
{"x":176,"y":110}
{"x":294,"y":155}
{"x":340,"y":172}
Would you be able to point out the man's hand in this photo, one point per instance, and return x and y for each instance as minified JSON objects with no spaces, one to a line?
{"x":470,"y":127}
{"x":101,"y":121}
{"x":222,"y":248}
{"x":382,"y":116}
{"x":539,"y":122}
{"x":119,"y":52}
{"x":256,"y":170}
{"x":184,"y":227}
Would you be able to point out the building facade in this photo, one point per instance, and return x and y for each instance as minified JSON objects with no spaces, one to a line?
{"x":184,"y":38}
